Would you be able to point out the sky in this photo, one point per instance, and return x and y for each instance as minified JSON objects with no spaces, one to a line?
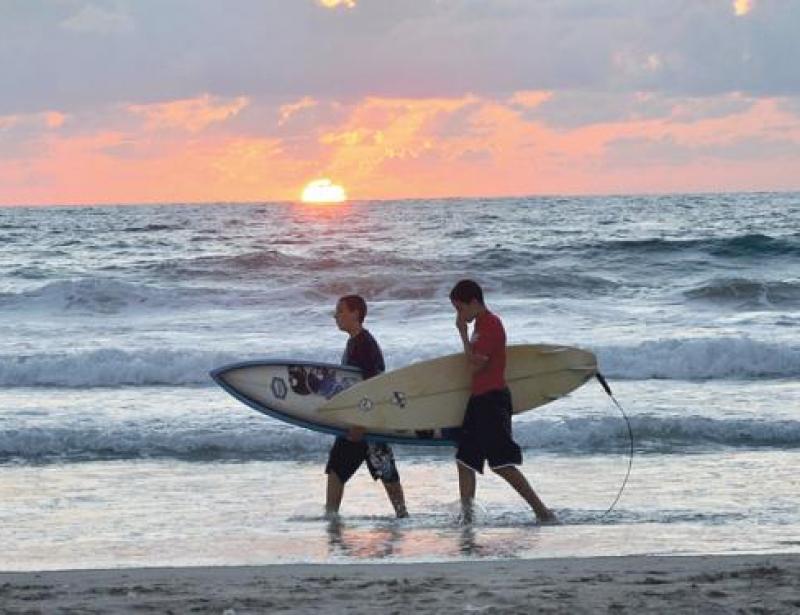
{"x":141,"y":101}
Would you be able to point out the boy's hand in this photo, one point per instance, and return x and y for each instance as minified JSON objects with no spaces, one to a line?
{"x":461,"y":325}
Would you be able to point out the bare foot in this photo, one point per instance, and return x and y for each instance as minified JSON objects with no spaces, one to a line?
{"x":331,"y":515}
{"x":549,"y":519}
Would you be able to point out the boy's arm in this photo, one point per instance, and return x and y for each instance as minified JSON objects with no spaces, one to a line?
{"x":369,"y":360}
{"x":476,"y":361}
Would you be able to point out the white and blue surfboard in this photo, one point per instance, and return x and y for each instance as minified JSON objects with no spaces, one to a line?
{"x":294,"y":391}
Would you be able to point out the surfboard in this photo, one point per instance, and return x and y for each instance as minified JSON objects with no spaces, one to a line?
{"x":421,"y":404}
{"x":432,"y":395}
{"x":293,"y":392}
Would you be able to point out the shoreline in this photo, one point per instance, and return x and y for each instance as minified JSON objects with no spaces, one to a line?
{"x":626,"y":584}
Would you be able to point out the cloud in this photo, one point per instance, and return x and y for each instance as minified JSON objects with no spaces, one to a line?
{"x":205,"y":149}
{"x":192,"y":115}
{"x":54,"y":119}
{"x":22,"y":126}
{"x":791,"y":105}
{"x":138,"y":51}
{"x":332,"y":4}
{"x":97,"y":20}
{"x":572,"y":109}
{"x":290,"y":109}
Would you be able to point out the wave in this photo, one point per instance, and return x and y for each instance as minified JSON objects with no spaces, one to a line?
{"x":151,"y":228}
{"x":756,"y":245}
{"x":657,"y":434}
{"x":744,"y":293}
{"x":381,"y":288}
{"x":739,"y":246}
{"x":557,"y":284}
{"x":105,"y":296}
{"x":265,"y":439}
{"x":681,"y":359}
{"x":288,"y":266}
{"x":700,"y":358}
{"x":112,"y":367}
{"x":224,"y":266}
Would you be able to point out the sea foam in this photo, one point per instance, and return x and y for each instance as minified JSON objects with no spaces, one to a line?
{"x":674,"y":359}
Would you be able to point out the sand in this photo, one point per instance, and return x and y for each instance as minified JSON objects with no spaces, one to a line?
{"x":699,"y":584}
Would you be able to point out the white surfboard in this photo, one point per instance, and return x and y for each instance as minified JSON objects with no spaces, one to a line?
{"x":432,"y":395}
{"x":293,"y":392}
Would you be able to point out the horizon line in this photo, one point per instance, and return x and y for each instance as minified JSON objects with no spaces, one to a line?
{"x":575,"y":195}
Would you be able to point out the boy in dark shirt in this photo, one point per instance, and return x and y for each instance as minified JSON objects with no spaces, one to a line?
{"x":348,"y":453}
{"x":486,"y":431}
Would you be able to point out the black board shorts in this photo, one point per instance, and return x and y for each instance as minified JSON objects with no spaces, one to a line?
{"x":486,"y":432}
{"x":346,"y":457}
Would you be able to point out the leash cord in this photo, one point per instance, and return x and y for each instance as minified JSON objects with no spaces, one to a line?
{"x":607,"y":388}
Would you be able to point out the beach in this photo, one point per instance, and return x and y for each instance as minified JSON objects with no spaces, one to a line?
{"x":121,"y":459}
{"x":640,"y":584}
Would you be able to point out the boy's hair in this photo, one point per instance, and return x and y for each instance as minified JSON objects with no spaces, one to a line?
{"x":356,"y":303}
{"x":465,"y":291}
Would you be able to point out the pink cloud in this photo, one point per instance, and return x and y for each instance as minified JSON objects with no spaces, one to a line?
{"x":192,"y":114}
{"x":395,"y":148}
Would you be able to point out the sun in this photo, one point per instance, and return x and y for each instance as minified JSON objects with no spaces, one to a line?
{"x":323,"y":191}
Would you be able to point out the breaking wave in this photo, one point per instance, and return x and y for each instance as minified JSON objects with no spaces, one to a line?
{"x":265,"y":439}
{"x":743,"y":293}
{"x":679,"y":359}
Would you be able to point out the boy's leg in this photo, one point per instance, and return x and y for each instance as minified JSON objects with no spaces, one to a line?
{"x":504,"y":454}
{"x":516,"y":479}
{"x":334,"y":493}
{"x":343,"y":460}
{"x":395,"y":492}
{"x":469,"y":457}
{"x":381,"y":464}
{"x":466,"y":482}
{"x":466,"y":489}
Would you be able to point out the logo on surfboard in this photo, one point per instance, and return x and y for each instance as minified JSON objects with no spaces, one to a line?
{"x":399,"y":399}
{"x":279,"y":389}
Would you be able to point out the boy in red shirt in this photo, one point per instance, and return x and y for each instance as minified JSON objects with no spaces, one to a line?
{"x":486,"y":431}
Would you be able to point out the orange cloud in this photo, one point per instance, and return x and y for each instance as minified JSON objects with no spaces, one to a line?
{"x":54,"y":119}
{"x":7,"y":121}
{"x":530,"y":99}
{"x":400,"y":148}
{"x":470,"y":146}
{"x":192,"y":114}
{"x":332,"y":4}
{"x":50,"y":119}
{"x":381,"y":130}
{"x":287,"y":111}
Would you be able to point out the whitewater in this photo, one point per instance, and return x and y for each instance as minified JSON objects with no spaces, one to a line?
{"x":114,"y":442}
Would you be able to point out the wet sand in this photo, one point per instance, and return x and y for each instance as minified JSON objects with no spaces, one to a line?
{"x":697,"y":584}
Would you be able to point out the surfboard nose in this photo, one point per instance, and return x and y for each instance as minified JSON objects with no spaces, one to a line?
{"x":218,"y":373}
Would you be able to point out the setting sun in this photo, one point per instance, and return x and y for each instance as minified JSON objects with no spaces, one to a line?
{"x":323,"y":191}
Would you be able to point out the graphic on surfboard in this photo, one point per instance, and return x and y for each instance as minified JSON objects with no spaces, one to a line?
{"x":421,"y":404}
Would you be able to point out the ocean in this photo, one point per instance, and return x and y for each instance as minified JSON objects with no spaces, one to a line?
{"x":117,"y":450}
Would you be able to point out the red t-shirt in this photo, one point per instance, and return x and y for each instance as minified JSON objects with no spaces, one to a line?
{"x":489,"y":340}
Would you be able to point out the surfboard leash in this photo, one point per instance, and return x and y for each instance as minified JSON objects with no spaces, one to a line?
{"x":607,"y":389}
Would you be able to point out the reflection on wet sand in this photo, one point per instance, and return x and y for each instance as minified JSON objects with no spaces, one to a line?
{"x":402,"y":538}
{"x":369,"y":543}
